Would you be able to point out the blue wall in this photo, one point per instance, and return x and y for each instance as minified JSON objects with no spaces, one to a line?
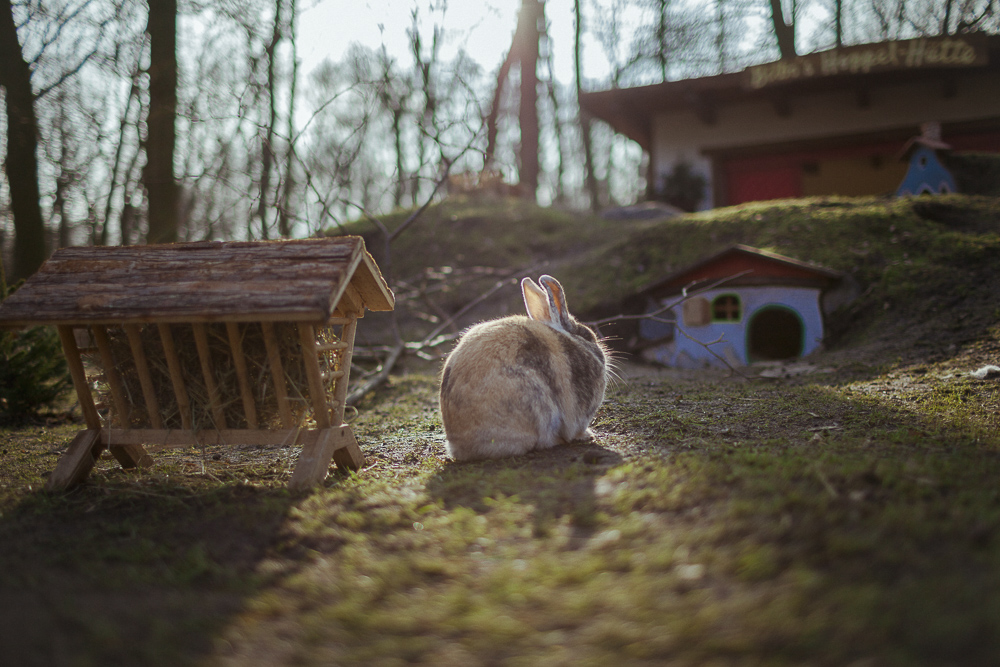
{"x":685,"y":353}
{"x":926,"y":175}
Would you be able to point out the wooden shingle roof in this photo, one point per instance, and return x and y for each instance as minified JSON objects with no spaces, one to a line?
{"x":248,"y":281}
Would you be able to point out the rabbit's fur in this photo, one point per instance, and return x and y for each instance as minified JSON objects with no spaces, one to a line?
{"x":521,"y":383}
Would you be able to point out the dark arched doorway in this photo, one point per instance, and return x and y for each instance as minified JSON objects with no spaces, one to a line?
{"x":774,"y":332}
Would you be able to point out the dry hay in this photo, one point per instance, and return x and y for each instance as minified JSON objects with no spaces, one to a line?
{"x":224,"y":374}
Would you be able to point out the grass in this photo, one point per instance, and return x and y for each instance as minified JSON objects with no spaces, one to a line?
{"x":847,"y":516}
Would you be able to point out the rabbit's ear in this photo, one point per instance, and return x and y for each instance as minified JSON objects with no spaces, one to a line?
{"x":536,"y":301}
{"x":557,"y":301}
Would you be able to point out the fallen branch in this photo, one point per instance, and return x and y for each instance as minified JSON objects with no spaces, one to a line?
{"x":378,"y":378}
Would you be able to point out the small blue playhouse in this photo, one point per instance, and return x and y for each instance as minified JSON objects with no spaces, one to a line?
{"x":743,"y":305}
{"x":927,"y":173}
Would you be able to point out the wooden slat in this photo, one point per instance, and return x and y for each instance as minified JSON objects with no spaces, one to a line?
{"x":74,"y":466}
{"x":277,"y":374}
{"x":121,"y":405}
{"x":158,"y":439}
{"x":79,"y":375}
{"x":131,"y":456}
{"x":176,"y":375}
{"x":145,"y":379}
{"x":242,"y":376}
{"x":208,"y":373}
{"x":330,"y":347}
{"x":310,"y":359}
{"x":340,"y":391}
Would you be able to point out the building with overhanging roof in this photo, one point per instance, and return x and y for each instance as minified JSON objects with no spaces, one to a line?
{"x":827,"y":123}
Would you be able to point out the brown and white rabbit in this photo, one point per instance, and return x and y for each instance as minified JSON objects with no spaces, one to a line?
{"x":521,"y":383}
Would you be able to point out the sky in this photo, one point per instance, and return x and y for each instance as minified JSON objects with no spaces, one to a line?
{"x":482,"y":27}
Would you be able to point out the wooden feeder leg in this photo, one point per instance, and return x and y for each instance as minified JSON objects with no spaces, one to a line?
{"x":77,"y":462}
{"x":129,"y":456}
{"x":349,"y":456}
{"x":314,"y":462}
{"x":79,"y":376}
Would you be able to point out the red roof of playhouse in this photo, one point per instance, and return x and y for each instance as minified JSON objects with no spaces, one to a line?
{"x":746,"y":266}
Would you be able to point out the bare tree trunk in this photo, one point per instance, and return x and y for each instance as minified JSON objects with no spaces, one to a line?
{"x":661,"y":37}
{"x":267,"y":148}
{"x":429,"y":115}
{"x":783,"y":32}
{"x":64,"y":177}
{"x":946,"y":23}
{"x":560,"y":144}
{"x":838,"y":23}
{"x":161,"y":187}
{"x":532,"y":14}
{"x":550,"y":85}
{"x":397,"y":138}
{"x":21,"y":162}
{"x":396,"y":107}
{"x":720,"y":35}
{"x":585,"y":131}
{"x":284,"y":209}
{"x":116,"y":165}
{"x":492,"y":119}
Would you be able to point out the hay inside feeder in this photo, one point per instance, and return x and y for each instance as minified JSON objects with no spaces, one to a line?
{"x":224,"y":374}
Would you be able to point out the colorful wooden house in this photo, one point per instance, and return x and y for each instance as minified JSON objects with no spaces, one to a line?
{"x":220,"y":343}
{"x":927,"y":173}
{"x":743,"y":305}
{"x":820,"y":124}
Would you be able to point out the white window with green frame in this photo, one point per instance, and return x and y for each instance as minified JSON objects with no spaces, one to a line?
{"x":727,"y":308}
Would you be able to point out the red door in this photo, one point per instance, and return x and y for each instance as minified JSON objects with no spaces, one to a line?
{"x":756,"y":181}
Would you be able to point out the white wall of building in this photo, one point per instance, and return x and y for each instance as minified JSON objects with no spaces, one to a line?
{"x":681,"y":136}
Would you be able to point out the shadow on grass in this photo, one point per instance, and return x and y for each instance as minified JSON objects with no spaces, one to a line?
{"x":130,"y":575}
{"x":556,"y":483}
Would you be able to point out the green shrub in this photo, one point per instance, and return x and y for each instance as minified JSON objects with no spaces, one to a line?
{"x":33,"y":372}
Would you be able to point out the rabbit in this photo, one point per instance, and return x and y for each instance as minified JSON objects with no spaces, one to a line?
{"x":520,"y":383}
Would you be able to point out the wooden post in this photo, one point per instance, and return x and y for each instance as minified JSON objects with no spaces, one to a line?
{"x":79,"y":375}
{"x":242,"y":376}
{"x":205,"y":357}
{"x":145,"y":379}
{"x":349,"y":456}
{"x":129,"y":456}
{"x":314,"y":461}
{"x":277,"y":374}
{"x":78,"y":461}
{"x":176,"y":376}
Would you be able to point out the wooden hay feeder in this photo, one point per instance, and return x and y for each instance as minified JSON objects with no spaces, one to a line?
{"x":220,"y":343}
